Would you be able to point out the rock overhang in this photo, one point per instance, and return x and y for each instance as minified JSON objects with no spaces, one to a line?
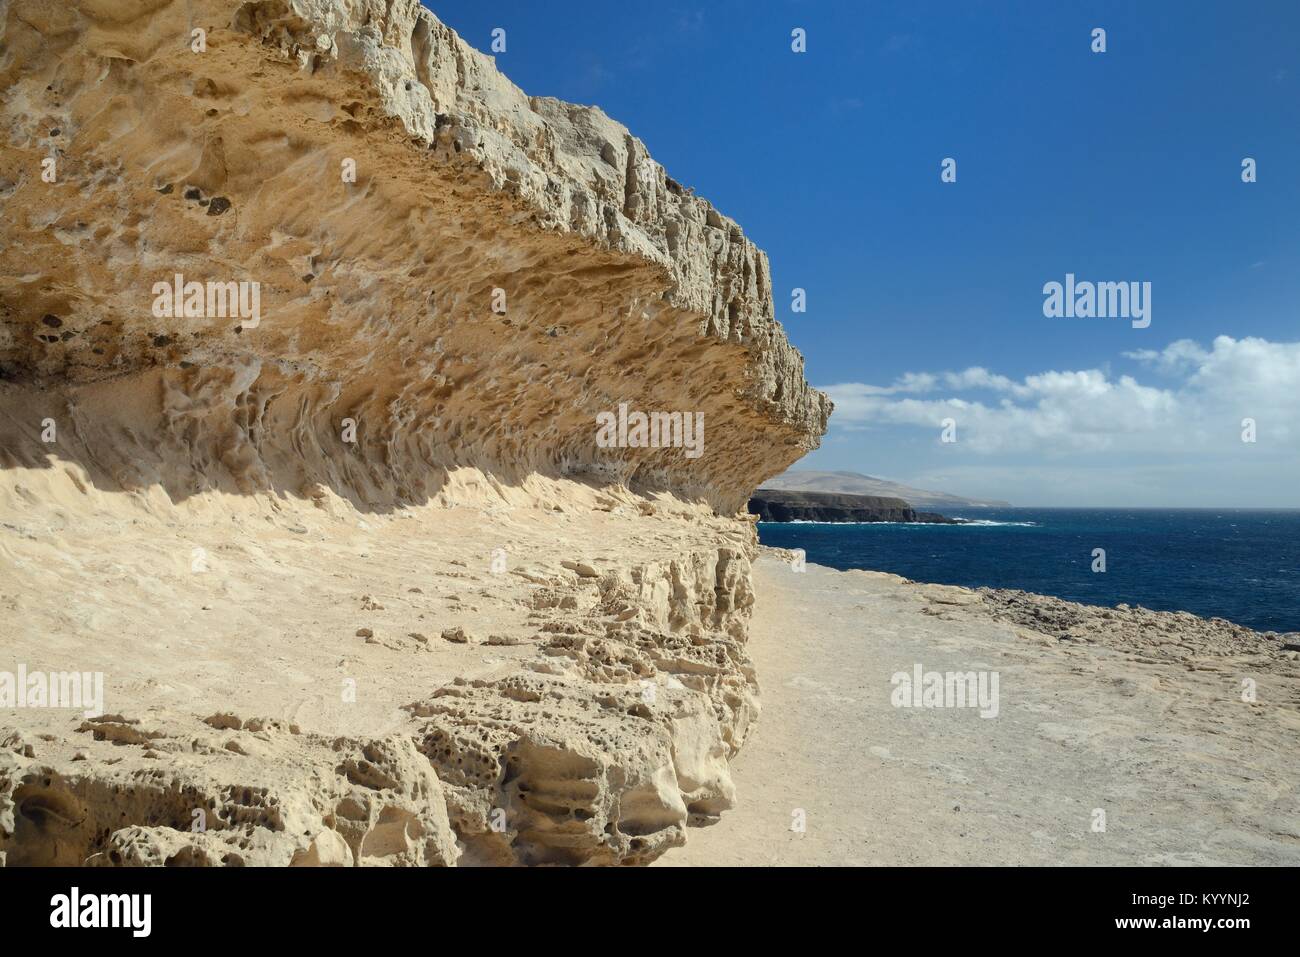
{"x":377,"y":296}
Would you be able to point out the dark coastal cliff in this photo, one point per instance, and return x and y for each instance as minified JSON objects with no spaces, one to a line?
{"x":775,"y":505}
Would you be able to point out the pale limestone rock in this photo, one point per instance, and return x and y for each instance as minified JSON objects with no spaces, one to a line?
{"x":377,"y":309}
{"x":214,"y":807}
{"x":619,"y":285}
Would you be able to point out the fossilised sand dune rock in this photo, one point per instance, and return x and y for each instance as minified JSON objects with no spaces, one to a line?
{"x":602,"y":749}
{"x":445,"y":325}
{"x":376,"y":297}
{"x":277,"y":798}
{"x":591,"y":787}
{"x":637,"y":727}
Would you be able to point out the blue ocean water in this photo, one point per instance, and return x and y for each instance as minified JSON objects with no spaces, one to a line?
{"x":1238,"y":564}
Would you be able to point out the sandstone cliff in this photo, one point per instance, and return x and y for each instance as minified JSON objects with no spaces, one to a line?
{"x":453,"y":280}
{"x":377,"y":297}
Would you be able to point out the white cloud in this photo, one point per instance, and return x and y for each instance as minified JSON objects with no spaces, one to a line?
{"x":1199,"y":402}
{"x":1174,"y":358}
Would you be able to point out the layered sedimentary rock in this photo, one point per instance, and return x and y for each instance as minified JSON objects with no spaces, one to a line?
{"x":410,"y":706}
{"x":778,"y":505}
{"x":419,"y":287}
{"x":502,"y":269}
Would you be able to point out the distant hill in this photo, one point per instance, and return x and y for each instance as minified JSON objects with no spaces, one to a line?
{"x":855,"y":483}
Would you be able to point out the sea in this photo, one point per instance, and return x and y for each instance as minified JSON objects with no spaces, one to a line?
{"x":1238,"y":564}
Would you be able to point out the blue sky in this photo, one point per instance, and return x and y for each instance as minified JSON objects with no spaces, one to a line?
{"x":1115,"y":166}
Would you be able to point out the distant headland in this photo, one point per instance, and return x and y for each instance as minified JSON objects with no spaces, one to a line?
{"x":779,"y":505}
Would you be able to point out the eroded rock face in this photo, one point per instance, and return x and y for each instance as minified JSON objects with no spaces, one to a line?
{"x":265,"y":795}
{"x":453,"y":280}
{"x":376,"y":296}
{"x":602,"y":739}
{"x":609,"y":760}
